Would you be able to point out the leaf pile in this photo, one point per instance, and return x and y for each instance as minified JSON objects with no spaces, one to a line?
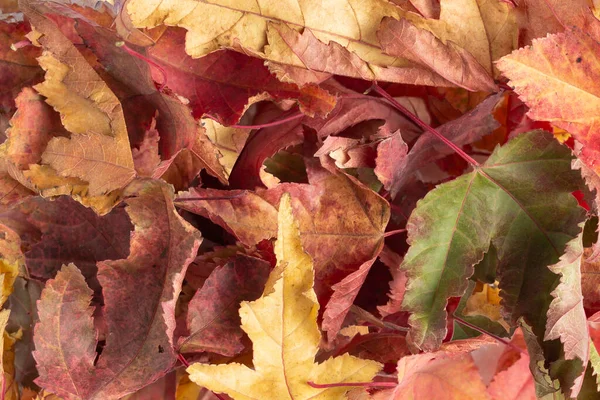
{"x":363,"y":199}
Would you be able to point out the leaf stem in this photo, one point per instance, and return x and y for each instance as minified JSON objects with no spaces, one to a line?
{"x":234,"y":196}
{"x":424,"y":126}
{"x":357,"y":384}
{"x":392,"y":233}
{"x":498,"y":338}
{"x":267,"y":125}
{"x":20,"y":44}
{"x":182,"y":359}
{"x":148,"y":60}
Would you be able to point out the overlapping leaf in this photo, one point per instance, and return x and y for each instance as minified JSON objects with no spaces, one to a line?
{"x":90,"y":111}
{"x":282,"y":325}
{"x":139,"y":345}
{"x":520,"y":201}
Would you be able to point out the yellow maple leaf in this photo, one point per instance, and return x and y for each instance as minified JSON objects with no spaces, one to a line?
{"x":266,"y":29}
{"x":282,"y":325}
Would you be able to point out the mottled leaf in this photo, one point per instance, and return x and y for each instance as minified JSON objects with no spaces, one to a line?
{"x":525,"y":184}
{"x":212,"y":316}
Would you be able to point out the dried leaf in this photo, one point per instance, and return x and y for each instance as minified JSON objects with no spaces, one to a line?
{"x":212,"y":317}
{"x":282,"y":326}
{"x":138,"y":350}
{"x":436,"y":374}
{"x":566,"y":316}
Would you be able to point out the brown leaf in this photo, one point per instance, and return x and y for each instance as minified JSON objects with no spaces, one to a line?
{"x":98,"y":151}
{"x":350,"y":110}
{"x":397,"y":286}
{"x":439,"y":375}
{"x":17,"y":69}
{"x":63,"y":231}
{"x":225,"y":83}
{"x":212,"y":319}
{"x":341,"y":222}
{"x":344,"y":293}
{"x":467,"y":129}
{"x":139,"y":344}
{"x":390,"y":162}
{"x":440,"y":61}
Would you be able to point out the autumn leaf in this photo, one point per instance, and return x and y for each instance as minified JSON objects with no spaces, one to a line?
{"x":345,"y":44}
{"x":569,"y":74}
{"x":89,"y":110}
{"x":566,"y":316}
{"x":439,"y":375}
{"x":23,"y":316}
{"x":138,"y":351}
{"x":225,"y":83}
{"x":449,"y":61}
{"x":442,"y":255}
{"x":18,"y":69}
{"x":513,"y":383}
{"x":64,"y":231}
{"x":212,"y":316}
{"x":282,"y":325}
{"x":464,"y":130}
{"x":324,"y":228}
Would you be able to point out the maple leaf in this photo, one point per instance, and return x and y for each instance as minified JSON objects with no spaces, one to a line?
{"x":327,"y":209}
{"x":219,"y":83}
{"x":344,"y":293}
{"x":442,"y":255}
{"x":23,"y":316}
{"x":282,"y":325}
{"x":344,"y":45}
{"x":64,"y":231}
{"x":449,"y":61}
{"x":538,"y":18}
{"x":440,"y":375}
{"x":212,"y":317}
{"x":17,"y":70}
{"x":89,"y":110}
{"x":566,"y":316}
{"x":349,"y":111}
{"x":138,"y":350}
{"x":514,"y":383}
{"x":466,"y":129}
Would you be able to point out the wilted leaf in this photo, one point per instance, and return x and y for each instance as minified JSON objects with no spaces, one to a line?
{"x":283,"y":328}
{"x":538,"y":18}
{"x":225,"y":83}
{"x":341,"y":222}
{"x":466,"y":129}
{"x":23,"y":316}
{"x":439,"y":375}
{"x":98,"y":151}
{"x":452,"y":228}
{"x":515,"y":383}
{"x":553,"y":74}
{"x":566,"y":316}
{"x":344,"y":45}
{"x":212,"y":317}
{"x":63,"y":231}
{"x":344,"y":293}
{"x":398,"y":284}
{"x":17,"y":69}
{"x":449,"y":61}
{"x":138,"y":349}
